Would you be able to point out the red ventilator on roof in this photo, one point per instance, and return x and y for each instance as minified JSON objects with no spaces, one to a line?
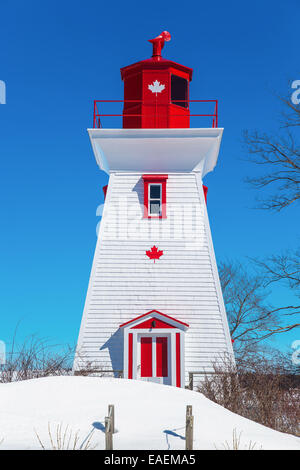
{"x":158,"y":43}
{"x":156,"y":91}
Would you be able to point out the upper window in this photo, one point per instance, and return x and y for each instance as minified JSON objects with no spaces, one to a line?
{"x":155,"y":196}
{"x":154,"y":199}
{"x":179,"y":91}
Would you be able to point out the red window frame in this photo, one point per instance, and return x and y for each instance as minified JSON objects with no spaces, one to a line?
{"x":155,"y":179}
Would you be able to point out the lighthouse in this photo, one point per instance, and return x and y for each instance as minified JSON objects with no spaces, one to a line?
{"x":154,"y":309}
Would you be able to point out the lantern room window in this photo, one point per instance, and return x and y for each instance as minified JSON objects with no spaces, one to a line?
{"x":155,"y":196}
{"x":179,"y":91}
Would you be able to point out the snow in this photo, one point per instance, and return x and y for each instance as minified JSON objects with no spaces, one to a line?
{"x":147,"y":415}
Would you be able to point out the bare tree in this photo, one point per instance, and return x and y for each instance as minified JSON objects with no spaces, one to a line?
{"x":251,"y":317}
{"x":35,"y":358}
{"x":284,"y":268}
{"x":280,"y":156}
{"x":291,"y":114}
{"x":259,"y":389}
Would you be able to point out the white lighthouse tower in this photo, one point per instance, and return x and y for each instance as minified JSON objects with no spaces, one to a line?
{"x":154,"y":308}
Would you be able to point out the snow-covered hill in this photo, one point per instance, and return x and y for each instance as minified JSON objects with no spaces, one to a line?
{"x":148,"y":415}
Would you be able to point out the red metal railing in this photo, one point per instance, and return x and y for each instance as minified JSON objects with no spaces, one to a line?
{"x":97,"y":115}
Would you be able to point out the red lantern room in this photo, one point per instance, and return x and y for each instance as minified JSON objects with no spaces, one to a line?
{"x":156,"y":91}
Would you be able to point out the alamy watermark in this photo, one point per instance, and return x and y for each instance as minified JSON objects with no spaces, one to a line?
{"x":125,"y":222}
{"x":295,"y":96}
{"x":2,"y":92}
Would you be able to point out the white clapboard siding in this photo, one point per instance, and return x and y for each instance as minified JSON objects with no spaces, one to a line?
{"x":125,"y":283}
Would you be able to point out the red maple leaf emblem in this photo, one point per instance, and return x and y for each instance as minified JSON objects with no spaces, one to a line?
{"x":154,"y":253}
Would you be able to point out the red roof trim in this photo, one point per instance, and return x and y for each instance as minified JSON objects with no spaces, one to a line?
{"x":156,"y":311}
{"x":162,"y":64}
{"x":155,"y":177}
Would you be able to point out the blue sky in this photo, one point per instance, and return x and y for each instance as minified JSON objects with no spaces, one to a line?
{"x":56,"y":58}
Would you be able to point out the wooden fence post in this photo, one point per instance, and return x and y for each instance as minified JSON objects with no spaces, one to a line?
{"x":111,"y":415}
{"x":108,"y":434}
{"x":189,"y":428}
{"x":191,"y":381}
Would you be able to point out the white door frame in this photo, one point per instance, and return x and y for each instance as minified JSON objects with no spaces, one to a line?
{"x":172,"y":332}
{"x":173,"y":328}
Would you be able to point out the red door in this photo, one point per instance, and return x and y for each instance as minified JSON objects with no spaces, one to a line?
{"x":147,"y":344}
{"x":162,"y":356}
{"x":146,"y":356}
